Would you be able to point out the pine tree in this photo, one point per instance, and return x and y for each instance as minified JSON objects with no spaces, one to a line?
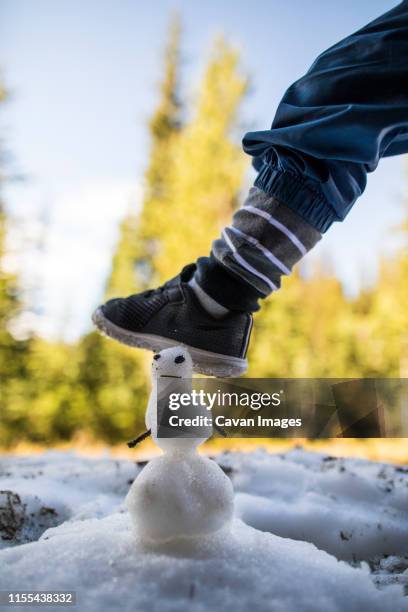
{"x":9,"y":302}
{"x":12,"y":352}
{"x":132,"y":265}
{"x":208,"y":167}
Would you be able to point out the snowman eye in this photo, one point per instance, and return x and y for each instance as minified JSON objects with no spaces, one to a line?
{"x":156,"y":357}
{"x":179,"y":359}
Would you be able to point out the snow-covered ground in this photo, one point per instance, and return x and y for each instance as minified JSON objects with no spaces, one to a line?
{"x":311,"y":533}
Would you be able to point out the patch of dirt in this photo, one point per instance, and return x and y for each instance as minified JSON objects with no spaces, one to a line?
{"x":23,"y":521}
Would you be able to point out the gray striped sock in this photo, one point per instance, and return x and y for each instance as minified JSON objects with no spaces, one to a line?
{"x":264,"y":242}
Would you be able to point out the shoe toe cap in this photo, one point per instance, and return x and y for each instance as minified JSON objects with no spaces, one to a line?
{"x":113,"y":310}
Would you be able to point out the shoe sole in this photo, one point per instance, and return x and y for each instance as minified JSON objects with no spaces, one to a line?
{"x":204,"y":362}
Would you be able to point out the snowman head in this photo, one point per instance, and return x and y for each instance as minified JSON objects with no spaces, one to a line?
{"x":174,"y":362}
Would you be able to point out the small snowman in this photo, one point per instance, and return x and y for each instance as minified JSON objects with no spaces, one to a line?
{"x":180,"y":494}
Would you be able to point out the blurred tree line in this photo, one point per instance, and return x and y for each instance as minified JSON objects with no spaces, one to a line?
{"x":50,"y":391}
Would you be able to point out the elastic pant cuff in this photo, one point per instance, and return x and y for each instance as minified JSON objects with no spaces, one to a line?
{"x":298,"y":194}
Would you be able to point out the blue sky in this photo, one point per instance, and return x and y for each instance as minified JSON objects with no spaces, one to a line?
{"x":83,"y":81}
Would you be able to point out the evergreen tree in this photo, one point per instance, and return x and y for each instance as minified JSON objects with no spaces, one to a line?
{"x":9,"y":300}
{"x":12,"y":352}
{"x":208,"y":167}
{"x":132,"y":264}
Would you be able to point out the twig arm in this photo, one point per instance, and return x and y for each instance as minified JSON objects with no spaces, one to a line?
{"x":139,"y":439}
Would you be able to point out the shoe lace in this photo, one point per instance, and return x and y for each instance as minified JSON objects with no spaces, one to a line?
{"x":158,"y":290}
{"x":171,"y":282}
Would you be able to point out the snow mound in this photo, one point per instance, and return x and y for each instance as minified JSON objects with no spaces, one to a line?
{"x":100,"y":560}
{"x":351,"y":509}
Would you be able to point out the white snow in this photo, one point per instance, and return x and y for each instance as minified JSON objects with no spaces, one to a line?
{"x":351,"y":508}
{"x":296,"y":496}
{"x":99,"y":559}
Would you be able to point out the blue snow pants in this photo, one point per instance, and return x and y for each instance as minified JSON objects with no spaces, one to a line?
{"x":335,"y":123}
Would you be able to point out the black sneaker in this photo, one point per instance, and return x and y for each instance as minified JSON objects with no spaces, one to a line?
{"x":170,"y":315}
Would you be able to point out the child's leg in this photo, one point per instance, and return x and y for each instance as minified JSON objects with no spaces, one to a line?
{"x":330,"y":130}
